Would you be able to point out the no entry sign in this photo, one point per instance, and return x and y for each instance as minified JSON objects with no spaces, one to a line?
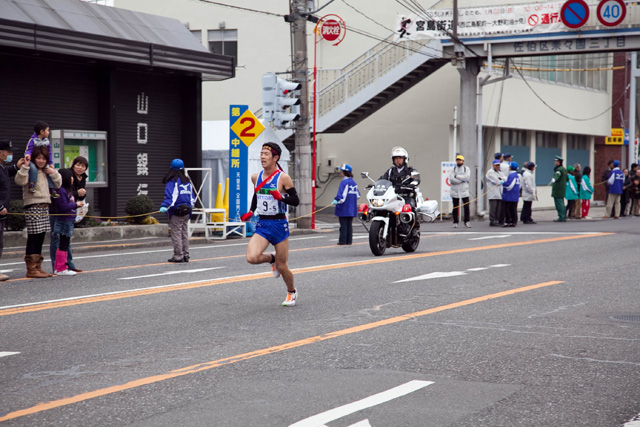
{"x":574,"y":13}
{"x":611,"y":12}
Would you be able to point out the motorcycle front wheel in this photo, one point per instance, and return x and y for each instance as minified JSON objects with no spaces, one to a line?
{"x":412,"y":244}
{"x":377,"y":243}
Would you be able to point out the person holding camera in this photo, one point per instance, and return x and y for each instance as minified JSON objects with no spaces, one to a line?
{"x":178,"y":203}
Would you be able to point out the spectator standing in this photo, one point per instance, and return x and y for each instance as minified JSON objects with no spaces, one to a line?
{"x":346,"y":203}
{"x":36,"y":208}
{"x":572,"y":191}
{"x":586,"y":191}
{"x":529,"y":193}
{"x":605,"y":179}
{"x":65,"y":208}
{"x":577,"y":206}
{"x":7,"y":171}
{"x":625,"y":189}
{"x":505,"y":166}
{"x":635,"y":195}
{"x":616,"y":183}
{"x":78,"y":169}
{"x":559,"y":189}
{"x":510,"y":196}
{"x":495,"y":178}
{"x":178,"y":203}
{"x":459,"y":178}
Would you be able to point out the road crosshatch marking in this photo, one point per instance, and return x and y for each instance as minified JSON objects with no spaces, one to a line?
{"x":41,"y":407}
{"x":67,"y":302}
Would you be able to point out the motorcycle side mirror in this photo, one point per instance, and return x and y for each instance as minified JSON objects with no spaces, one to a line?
{"x":364,"y":174}
{"x":415,"y":175}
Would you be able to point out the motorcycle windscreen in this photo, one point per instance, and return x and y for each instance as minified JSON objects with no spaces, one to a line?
{"x":381,"y":186}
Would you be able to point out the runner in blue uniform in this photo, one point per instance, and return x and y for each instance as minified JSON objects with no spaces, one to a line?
{"x":273,"y":192}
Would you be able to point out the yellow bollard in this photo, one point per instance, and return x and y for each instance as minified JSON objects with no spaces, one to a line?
{"x":225,"y":203}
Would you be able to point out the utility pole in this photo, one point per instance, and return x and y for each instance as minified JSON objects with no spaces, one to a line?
{"x":299,"y":66}
{"x":468,"y":69}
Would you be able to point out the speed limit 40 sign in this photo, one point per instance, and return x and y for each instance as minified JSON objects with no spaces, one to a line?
{"x":611,"y":12}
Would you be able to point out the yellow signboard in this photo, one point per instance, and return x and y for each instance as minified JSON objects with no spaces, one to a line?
{"x":247,"y":127}
{"x":616,"y":138}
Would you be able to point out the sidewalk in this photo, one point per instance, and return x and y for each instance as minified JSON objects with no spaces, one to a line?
{"x":157,"y":236}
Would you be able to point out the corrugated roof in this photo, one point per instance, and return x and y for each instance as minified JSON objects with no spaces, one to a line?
{"x":61,"y":26}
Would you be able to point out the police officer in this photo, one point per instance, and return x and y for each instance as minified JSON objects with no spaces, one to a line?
{"x":399,"y":173}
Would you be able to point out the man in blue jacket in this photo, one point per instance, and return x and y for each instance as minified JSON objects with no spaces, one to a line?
{"x":346,"y":202}
{"x":616,"y":183}
{"x":511,"y":195}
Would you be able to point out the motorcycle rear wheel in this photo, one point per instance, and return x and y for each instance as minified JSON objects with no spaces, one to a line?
{"x":377,"y":243}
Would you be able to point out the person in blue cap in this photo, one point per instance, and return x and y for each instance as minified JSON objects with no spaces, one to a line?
{"x":511,"y":195}
{"x":616,"y":182}
{"x":346,"y":203}
{"x":178,"y":203}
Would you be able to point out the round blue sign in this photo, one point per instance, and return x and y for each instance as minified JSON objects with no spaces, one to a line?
{"x":574,"y":13}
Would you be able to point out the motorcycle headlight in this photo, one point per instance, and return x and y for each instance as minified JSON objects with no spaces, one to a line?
{"x":378,"y":203}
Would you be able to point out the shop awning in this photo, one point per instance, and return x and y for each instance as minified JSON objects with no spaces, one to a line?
{"x":87,"y":30}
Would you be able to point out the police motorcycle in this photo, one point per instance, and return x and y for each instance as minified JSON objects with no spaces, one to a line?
{"x":394,"y":223}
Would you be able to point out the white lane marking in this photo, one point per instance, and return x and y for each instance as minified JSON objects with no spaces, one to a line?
{"x":440,"y":274}
{"x":6,"y":271}
{"x":354,"y":237}
{"x":363,"y":423}
{"x":634,"y":422}
{"x":166,"y":273}
{"x":367,"y":402}
{"x":434,"y":275}
{"x":8,"y":353}
{"x":499,"y":236}
{"x":192,"y":249}
{"x":522,"y":233}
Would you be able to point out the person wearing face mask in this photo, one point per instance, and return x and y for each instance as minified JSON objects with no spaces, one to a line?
{"x":7,"y":170}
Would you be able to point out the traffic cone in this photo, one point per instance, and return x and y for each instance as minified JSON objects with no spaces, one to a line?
{"x":225,"y":202}
{"x":218,"y":217}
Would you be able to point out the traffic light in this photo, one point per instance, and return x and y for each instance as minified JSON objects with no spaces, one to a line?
{"x":269,"y":83}
{"x":279,"y":101}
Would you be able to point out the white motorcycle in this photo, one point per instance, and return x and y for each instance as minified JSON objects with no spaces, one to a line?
{"x":394,"y":223}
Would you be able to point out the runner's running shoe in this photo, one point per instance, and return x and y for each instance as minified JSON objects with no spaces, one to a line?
{"x":291,"y":299}
{"x":274,"y":270}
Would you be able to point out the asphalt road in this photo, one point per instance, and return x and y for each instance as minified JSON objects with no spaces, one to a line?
{"x":532,"y":326}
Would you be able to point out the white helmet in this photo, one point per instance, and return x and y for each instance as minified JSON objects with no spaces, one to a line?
{"x":399,"y":152}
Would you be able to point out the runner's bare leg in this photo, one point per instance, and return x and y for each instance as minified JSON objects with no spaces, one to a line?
{"x":282,"y":258}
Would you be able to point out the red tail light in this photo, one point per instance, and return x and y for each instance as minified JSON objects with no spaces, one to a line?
{"x":406,"y":208}
{"x":362,"y":207}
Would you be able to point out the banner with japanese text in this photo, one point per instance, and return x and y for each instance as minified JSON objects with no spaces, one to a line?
{"x":238,"y":166}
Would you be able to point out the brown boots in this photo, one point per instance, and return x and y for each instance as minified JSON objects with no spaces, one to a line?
{"x":34,"y":264}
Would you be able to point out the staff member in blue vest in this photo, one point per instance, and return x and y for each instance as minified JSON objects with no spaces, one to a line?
{"x":616,"y":183}
{"x":511,"y":195}
{"x":178,"y":203}
{"x":274,"y":190}
{"x":346,"y":202}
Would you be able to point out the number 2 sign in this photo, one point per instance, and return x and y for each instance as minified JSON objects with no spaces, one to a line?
{"x":247,"y":127}
{"x":611,"y":12}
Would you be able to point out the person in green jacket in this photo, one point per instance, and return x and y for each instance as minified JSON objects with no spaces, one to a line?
{"x":572,"y":191}
{"x":586,"y":191}
{"x":559,"y":188}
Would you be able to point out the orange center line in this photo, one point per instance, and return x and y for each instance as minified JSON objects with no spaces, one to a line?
{"x":41,"y":407}
{"x":258,"y":276}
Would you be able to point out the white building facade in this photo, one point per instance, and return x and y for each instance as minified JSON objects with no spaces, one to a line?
{"x":515,"y":119}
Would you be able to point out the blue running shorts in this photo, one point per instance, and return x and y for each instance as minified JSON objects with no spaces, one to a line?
{"x":274,"y":230}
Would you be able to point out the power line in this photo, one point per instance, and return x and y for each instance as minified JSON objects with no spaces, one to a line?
{"x":564,"y":115}
{"x":241,"y":8}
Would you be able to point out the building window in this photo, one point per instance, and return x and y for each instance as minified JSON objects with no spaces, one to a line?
{"x":546,"y":140}
{"x":197,"y":34}
{"x":224,"y":42}
{"x":577,"y":142}
{"x":514,"y":138}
